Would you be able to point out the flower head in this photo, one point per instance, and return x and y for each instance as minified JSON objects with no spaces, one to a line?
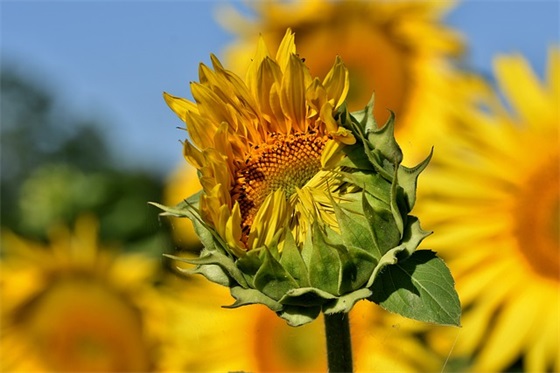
{"x":302,"y":203}
{"x":69,"y":306}
{"x":501,"y":238}
{"x":258,"y":143}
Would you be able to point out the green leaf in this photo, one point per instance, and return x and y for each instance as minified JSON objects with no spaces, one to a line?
{"x":420,"y":287}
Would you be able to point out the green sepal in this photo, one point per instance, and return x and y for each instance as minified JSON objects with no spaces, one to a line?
{"x":306,"y":297}
{"x":383,"y":229}
{"x":412,"y":237}
{"x":372,"y":183}
{"x":356,"y":234}
{"x":396,"y":206}
{"x":213,"y":257}
{"x":383,"y":139}
{"x":249,"y":265}
{"x":324,"y":264}
{"x":272,"y":278}
{"x":346,"y":302}
{"x":212,"y":272}
{"x":408,"y":179}
{"x":421,"y":288}
{"x":188,"y":209}
{"x":245,"y":297}
{"x":380,"y":147}
{"x":292,"y":261}
{"x":297,"y":316}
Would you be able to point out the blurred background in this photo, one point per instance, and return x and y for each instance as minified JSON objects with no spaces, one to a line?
{"x":87,"y":141}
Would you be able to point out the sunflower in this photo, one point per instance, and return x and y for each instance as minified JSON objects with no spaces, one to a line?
{"x":401,"y":50}
{"x":302,"y":203}
{"x":260,"y":145}
{"x":69,"y":306}
{"x":254,"y":339}
{"x":494,"y":201}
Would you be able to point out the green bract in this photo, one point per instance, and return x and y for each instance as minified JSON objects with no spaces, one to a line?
{"x":373,"y":257}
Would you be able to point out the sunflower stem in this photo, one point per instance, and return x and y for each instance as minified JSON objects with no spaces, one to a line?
{"x":339,"y":346}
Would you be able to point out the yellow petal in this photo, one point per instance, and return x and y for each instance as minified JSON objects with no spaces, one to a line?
{"x":200,"y":130}
{"x":179,"y":105}
{"x":286,"y":49}
{"x":337,"y":83}
{"x":316,"y":97}
{"x":260,"y":55}
{"x":233,"y":231}
{"x":510,"y":331}
{"x":269,"y":74}
{"x":292,"y":97}
{"x":271,"y":217}
{"x":193,"y":155}
{"x":522,"y":87}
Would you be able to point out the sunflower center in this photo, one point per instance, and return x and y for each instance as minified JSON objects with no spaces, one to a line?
{"x":286,"y":162}
{"x":537,"y":226}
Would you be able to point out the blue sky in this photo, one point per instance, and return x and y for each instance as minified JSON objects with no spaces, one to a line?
{"x":112,"y":60}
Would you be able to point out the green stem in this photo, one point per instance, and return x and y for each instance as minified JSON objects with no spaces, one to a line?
{"x":339,"y":346}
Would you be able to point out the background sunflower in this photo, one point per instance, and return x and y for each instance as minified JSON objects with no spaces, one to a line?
{"x":69,"y":306}
{"x":500,"y":174}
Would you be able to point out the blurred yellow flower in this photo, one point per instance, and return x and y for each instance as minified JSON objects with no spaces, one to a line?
{"x":493,"y":197}
{"x":397,"y":49}
{"x":68,"y":306}
{"x":183,"y":182}
{"x":254,"y":339}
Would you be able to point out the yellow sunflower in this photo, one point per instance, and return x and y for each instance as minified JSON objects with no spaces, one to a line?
{"x":398,"y":49}
{"x":68,"y":306}
{"x":493,"y":199}
{"x":261,"y":145}
{"x":254,"y":339}
{"x":182,"y":182}
{"x":302,"y":203}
